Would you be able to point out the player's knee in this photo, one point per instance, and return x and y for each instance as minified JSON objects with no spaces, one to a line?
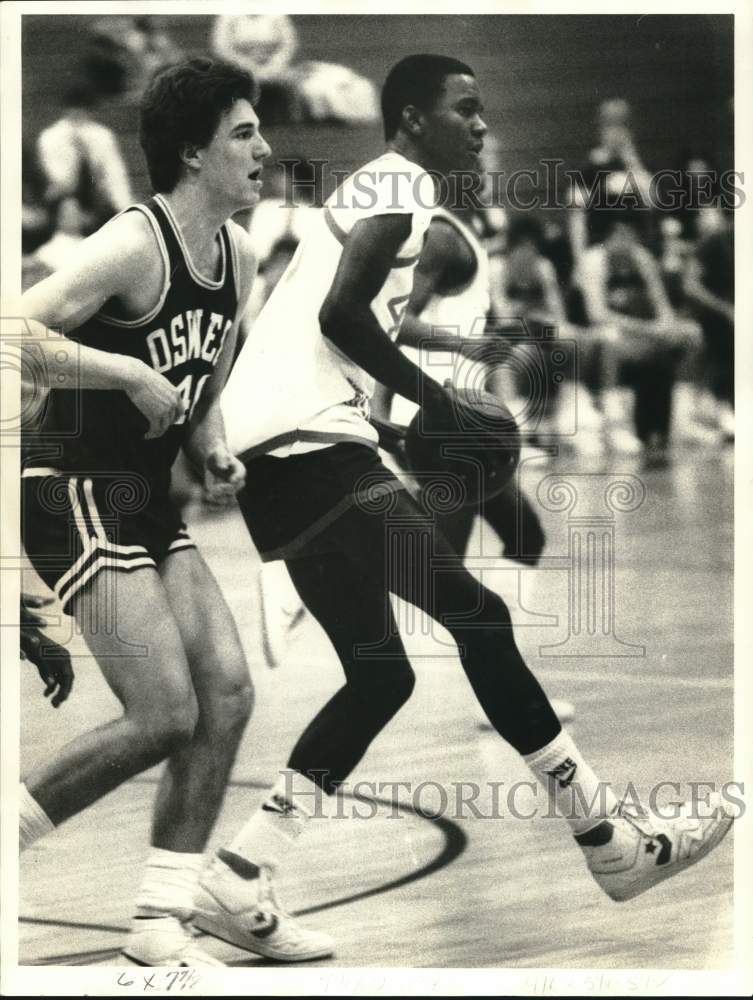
{"x":171,"y":723}
{"x":384,"y":689}
{"x":534,"y":540}
{"x":231,"y":706}
{"x":392,"y":688}
{"x":490,"y":612}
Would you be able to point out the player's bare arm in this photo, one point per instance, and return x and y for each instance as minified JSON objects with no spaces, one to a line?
{"x":205,"y":445}
{"x":444,"y":264}
{"x":346,"y":317}
{"x":119,"y":262}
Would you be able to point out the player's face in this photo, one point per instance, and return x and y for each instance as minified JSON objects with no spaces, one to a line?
{"x":232,"y":162}
{"x":454,"y":130}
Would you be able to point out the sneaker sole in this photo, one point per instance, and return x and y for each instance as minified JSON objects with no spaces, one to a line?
{"x":209,"y":926}
{"x":622,"y":895}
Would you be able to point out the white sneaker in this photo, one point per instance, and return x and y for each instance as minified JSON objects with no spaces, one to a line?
{"x":248,"y":914}
{"x":644,"y":850}
{"x":165,"y":940}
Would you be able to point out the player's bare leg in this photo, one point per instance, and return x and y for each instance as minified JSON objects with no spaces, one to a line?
{"x":193,"y":784}
{"x":161,"y":718}
{"x":143,"y":662}
{"x":194,"y":781}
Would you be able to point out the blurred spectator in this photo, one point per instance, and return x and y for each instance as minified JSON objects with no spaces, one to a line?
{"x":525,"y":287}
{"x":710,"y":287}
{"x":263,"y":44}
{"x":122,"y":53}
{"x":644,"y":341}
{"x":53,"y":254}
{"x":106,"y":62}
{"x":524,"y":279}
{"x":674,"y":260}
{"x":314,"y":91}
{"x":37,"y":223}
{"x":81,"y":159}
{"x":492,"y":215}
{"x":556,"y":247}
{"x":700,"y":195}
{"x":613,"y":177}
{"x":334,"y":93}
{"x":153,"y":47}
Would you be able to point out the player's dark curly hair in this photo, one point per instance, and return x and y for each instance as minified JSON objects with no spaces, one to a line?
{"x":416,"y":80}
{"x":182,"y":107}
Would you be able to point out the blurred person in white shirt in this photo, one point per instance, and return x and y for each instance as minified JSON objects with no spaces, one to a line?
{"x":81,"y":158}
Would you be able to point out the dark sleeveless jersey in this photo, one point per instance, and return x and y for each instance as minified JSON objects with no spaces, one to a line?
{"x":181,"y":338}
{"x":626,"y":287}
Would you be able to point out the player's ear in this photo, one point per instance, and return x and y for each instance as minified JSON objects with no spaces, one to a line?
{"x":413,"y":120}
{"x":191,"y":156}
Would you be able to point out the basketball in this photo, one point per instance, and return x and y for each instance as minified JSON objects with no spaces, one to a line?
{"x":474,"y":447}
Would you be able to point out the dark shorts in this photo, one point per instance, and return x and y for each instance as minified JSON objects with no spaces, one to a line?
{"x":291,"y":505}
{"x":73,"y":527}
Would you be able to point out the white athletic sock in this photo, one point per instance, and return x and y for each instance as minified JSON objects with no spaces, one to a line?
{"x":273,"y":829}
{"x":573,"y":788}
{"x":169,"y":883}
{"x":33,"y":821}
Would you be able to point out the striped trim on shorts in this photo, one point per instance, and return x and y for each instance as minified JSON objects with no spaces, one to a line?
{"x":97,"y":550}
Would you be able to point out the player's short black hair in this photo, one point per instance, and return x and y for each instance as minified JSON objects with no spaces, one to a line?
{"x":416,"y":80}
{"x":182,"y":106}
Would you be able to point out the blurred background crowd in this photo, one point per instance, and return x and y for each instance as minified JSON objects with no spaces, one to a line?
{"x":644,"y":291}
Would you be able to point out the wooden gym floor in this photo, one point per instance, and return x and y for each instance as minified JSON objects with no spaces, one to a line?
{"x":404,"y":889}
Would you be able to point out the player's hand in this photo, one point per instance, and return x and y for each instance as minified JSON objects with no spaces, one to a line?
{"x":52,"y":660}
{"x":156,"y":398}
{"x":224,"y":476}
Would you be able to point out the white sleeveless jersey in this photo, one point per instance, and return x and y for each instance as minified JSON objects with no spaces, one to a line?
{"x":291,"y":389}
{"x":459,"y":313}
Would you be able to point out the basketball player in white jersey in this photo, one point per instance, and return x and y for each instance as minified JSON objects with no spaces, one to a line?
{"x":445,"y":329}
{"x":317,"y":495}
{"x":152,"y":302}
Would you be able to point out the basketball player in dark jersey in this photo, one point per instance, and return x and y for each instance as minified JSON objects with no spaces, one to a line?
{"x":318,"y":496}
{"x":148,"y":310}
